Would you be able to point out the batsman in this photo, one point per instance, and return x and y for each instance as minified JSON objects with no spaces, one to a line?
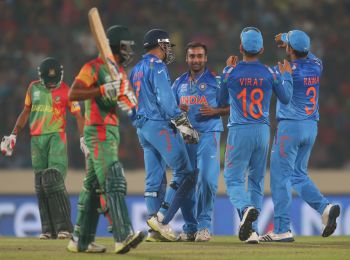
{"x":104,"y":186}
{"x":45,"y":106}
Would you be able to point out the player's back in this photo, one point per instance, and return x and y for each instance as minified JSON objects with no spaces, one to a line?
{"x":148,"y":78}
{"x":250,"y":87}
{"x":306,"y":83}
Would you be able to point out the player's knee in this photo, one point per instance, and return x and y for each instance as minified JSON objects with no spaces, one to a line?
{"x":38,"y":181}
{"x":116,"y":181}
{"x":52,"y":181}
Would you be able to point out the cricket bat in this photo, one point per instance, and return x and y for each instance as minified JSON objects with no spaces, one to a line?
{"x":102,"y":43}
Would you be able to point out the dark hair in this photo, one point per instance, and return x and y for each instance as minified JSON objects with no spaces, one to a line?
{"x":151,"y":47}
{"x":191,"y":45}
{"x":299,"y":54}
{"x":250,"y":54}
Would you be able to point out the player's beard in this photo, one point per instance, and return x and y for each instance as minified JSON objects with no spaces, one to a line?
{"x":197,"y":67}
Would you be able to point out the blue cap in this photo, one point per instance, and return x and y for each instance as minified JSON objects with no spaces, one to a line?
{"x":297,"y":39}
{"x":251,"y":39}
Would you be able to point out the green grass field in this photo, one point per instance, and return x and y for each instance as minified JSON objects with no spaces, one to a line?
{"x":219,"y":248}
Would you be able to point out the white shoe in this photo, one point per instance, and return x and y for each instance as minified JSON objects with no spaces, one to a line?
{"x":329,"y":219}
{"x":45,"y":236}
{"x":164,"y":230}
{"x":154,"y":236}
{"x":186,"y":237}
{"x":272,"y":237}
{"x":132,"y":241}
{"x":92,"y":247}
{"x":203,"y":235}
{"x":245,"y":227}
{"x":253,"y":239}
{"x":64,"y":235}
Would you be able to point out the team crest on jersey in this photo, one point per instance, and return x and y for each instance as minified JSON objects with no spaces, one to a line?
{"x":202,"y":86}
{"x":183,"y":87}
{"x":36,"y":95}
{"x":57,"y":99}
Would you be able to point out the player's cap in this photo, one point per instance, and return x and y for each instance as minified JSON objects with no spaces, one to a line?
{"x":154,"y":37}
{"x":50,"y":72}
{"x":117,"y":34}
{"x":297,"y":39}
{"x":252,"y":40}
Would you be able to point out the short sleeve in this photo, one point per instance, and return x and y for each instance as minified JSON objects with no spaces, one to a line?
{"x":87,"y":75}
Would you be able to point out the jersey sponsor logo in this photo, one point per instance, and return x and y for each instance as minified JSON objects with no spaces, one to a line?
{"x":160,"y":71}
{"x":58,"y":99}
{"x":202,"y":86}
{"x":183,"y":87}
{"x":36,"y":95}
{"x":41,"y":108}
{"x":193,"y":100}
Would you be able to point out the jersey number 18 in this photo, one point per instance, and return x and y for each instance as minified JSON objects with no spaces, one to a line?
{"x":253,"y":102}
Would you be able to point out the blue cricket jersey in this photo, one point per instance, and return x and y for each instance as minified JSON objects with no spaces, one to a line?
{"x":248,"y":87}
{"x":151,"y":83}
{"x":306,"y":85}
{"x":195,"y":94}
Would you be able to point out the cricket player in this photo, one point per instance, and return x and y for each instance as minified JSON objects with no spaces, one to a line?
{"x":45,"y":106}
{"x":247,"y":86}
{"x":104,"y":187}
{"x":159,"y":123}
{"x":295,"y":136}
{"x":196,"y":92}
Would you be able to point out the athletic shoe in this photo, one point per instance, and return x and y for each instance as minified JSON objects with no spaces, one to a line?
{"x":272,"y":237}
{"x":245,"y":227}
{"x":154,"y":236}
{"x":45,"y":236}
{"x":64,"y":235}
{"x":92,"y":247}
{"x":186,"y":237}
{"x":253,"y":239}
{"x":203,"y":235}
{"x":164,"y":230}
{"x":329,"y":219}
{"x":132,"y":241}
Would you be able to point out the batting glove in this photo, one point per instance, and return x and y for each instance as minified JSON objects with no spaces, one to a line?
{"x":8,"y":144}
{"x":83,"y":147}
{"x":111,"y":90}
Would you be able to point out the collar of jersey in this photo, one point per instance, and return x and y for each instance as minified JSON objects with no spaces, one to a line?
{"x":249,"y":62}
{"x":150,"y":56}
{"x":188,"y":74}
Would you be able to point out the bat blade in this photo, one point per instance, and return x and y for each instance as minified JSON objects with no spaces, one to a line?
{"x":102,"y":43}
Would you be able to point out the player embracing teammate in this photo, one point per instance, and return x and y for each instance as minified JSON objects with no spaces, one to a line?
{"x":247,"y":87}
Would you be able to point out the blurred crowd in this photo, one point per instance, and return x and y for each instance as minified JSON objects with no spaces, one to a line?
{"x":31,"y":30}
